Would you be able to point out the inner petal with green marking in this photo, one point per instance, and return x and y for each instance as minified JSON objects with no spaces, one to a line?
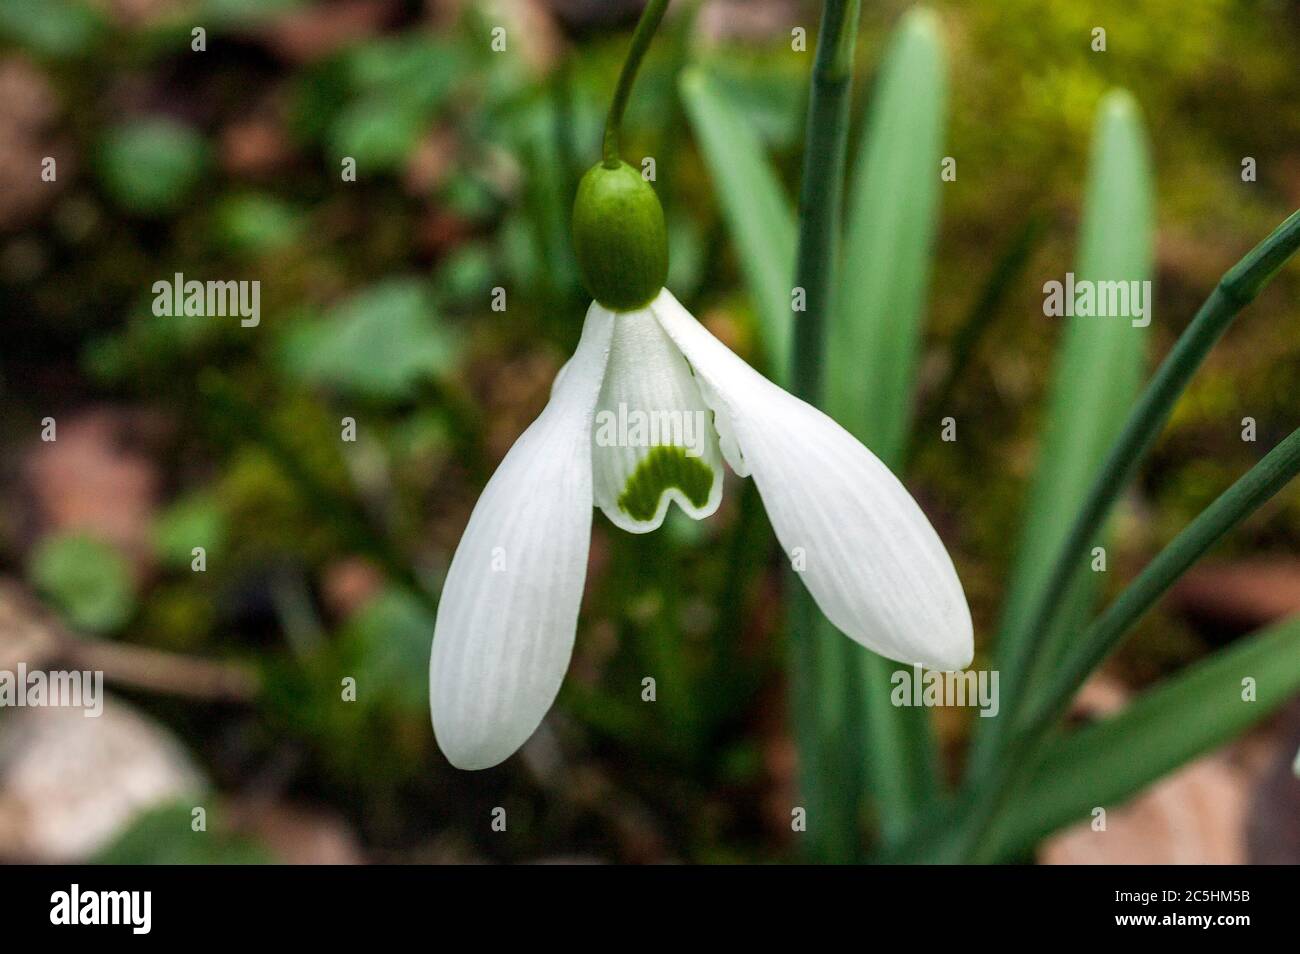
{"x":653,"y":437}
{"x":665,"y":467}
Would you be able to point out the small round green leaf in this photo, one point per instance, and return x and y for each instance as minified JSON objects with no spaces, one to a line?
{"x":86,"y":579}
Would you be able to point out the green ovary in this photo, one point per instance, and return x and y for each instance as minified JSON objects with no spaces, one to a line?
{"x":662,"y":468}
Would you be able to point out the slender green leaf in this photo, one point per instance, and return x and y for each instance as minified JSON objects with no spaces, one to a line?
{"x":872,"y":349}
{"x":1033,"y":725}
{"x":1191,"y":713}
{"x":1097,"y":377}
{"x":756,"y":209}
{"x":892,"y":218}
{"x":1237,"y":289}
{"x":1086,"y":652}
{"x":971,"y":824}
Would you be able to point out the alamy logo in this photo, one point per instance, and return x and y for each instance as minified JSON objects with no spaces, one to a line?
{"x":74,"y":689}
{"x":210,"y":299}
{"x":933,"y":688}
{"x":638,"y":428}
{"x":1089,"y":299}
{"x":134,"y":908}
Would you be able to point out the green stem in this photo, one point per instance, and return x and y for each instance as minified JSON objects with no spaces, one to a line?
{"x":821,"y":194}
{"x":1235,"y":290}
{"x":1234,"y":505}
{"x":641,"y":37}
{"x":822,"y":688}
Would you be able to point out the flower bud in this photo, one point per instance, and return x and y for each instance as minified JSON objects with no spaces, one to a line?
{"x":619,"y":237}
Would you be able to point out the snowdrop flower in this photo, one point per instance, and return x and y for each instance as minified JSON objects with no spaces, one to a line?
{"x":642,"y":417}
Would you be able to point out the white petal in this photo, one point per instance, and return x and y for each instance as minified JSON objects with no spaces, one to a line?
{"x":509,"y":607}
{"x":873,"y":563}
{"x":652,"y":439}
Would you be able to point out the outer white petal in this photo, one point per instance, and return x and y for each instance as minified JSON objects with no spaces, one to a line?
{"x":874,"y":564}
{"x":653,"y":439}
{"x":509,"y":607}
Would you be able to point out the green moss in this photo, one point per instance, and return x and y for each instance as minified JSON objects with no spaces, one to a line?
{"x":665,"y":467}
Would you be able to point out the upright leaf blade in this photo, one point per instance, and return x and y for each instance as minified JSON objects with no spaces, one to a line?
{"x":872,"y":349}
{"x":754,"y":205}
{"x":1191,"y":713}
{"x":1097,"y":376}
{"x":892,"y":219}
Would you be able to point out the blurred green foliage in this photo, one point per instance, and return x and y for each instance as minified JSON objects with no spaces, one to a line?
{"x":151,"y":166}
{"x":55,"y":29}
{"x":380,"y":343}
{"x":164,"y":836}
{"x":86,"y":578}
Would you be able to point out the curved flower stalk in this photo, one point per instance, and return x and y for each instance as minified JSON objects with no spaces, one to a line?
{"x":643,"y":416}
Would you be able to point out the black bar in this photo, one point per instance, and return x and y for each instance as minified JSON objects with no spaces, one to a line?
{"x":437,"y":906}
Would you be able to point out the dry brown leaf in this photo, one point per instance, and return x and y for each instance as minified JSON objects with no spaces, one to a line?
{"x":1196,"y":815}
{"x":349,"y":583}
{"x":729,"y":20}
{"x":28,"y":109}
{"x":1242,"y":595}
{"x":26,"y":634}
{"x":93,"y":478}
{"x":140,"y":12}
{"x":255,"y":148}
{"x":297,"y":835}
{"x":313,"y":33}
